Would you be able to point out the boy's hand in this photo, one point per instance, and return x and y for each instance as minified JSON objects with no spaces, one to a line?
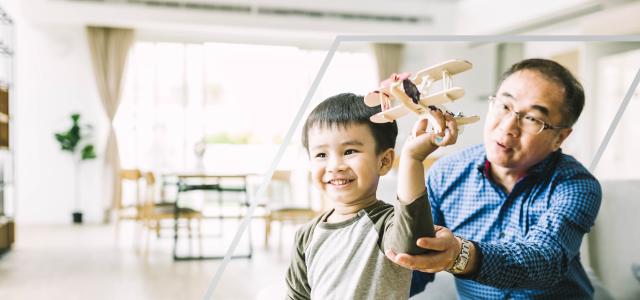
{"x":422,"y":143}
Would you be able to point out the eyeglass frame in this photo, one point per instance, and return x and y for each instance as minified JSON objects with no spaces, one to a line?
{"x":519,"y":116}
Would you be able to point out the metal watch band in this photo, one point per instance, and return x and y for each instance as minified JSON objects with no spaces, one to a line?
{"x":463,"y":258}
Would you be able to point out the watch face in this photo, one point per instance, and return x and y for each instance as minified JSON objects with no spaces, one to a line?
{"x":411,"y":90}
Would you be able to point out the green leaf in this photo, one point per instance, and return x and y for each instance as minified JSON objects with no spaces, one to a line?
{"x":70,"y":139}
{"x":88,"y":152}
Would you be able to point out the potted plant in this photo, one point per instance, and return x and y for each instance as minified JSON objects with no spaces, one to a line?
{"x":75,"y":142}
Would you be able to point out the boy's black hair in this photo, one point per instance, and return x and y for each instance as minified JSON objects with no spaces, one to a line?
{"x":348,"y":109}
{"x":555,"y":72}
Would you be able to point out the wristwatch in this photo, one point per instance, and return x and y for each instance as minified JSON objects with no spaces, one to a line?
{"x":463,"y":258}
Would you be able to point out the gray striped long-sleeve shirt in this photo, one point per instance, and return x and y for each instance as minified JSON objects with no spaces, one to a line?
{"x":346,"y":260}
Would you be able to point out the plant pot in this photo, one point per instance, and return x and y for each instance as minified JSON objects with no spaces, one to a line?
{"x":77,"y":217}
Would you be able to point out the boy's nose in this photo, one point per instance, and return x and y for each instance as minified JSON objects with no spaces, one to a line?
{"x":336,"y":165}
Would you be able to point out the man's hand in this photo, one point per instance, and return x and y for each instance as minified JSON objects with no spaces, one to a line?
{"x":445,"y":249}
{"x":422,"y":143}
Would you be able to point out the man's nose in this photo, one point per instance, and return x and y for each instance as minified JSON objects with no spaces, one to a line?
{"x":511,"y":123}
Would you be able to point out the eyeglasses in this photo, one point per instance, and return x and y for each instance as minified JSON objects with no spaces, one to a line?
{"x":527,"y":123}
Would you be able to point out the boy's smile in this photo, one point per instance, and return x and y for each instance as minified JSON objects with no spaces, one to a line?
{"x":340,"y":182}
{"x":345,"y":166}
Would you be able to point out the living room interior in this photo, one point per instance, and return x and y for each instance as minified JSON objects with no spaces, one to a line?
{"x":141,"y":141}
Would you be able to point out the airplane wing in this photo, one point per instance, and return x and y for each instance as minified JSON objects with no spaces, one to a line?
{"x":466,"y":120}
{"x":451,"y":94}
{"x":373,"y":99}
{"x":390,"y":114}
{"x":435,"y":72}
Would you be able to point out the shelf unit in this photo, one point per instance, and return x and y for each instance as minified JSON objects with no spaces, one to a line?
{"x":7,"y":223}
{"x":4,"y":116}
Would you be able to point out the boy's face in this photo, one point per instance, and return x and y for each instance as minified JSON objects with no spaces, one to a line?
{"x":344,"y":164}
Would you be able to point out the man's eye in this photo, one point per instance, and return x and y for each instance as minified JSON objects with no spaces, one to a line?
{"x":530,"y":119}
{"x":350,"y":151}
{"x":321,"y":155}
{"x":504,"y":107}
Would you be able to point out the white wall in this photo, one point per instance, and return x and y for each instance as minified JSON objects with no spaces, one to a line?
{"x":615,"y":240}
{"x":500,"y":16}
{"x":53,"y":79}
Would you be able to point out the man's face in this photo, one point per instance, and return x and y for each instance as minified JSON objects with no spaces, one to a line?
{"x":528,"y":93}
{"x":344,"y":164}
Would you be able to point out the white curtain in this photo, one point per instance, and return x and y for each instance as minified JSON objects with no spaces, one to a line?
{"x":109,"y":50}
{"x":389,"y":58}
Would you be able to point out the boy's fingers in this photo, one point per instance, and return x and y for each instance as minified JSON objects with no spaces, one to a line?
{"x":437,"y":119}
{"x":450,"y":133}
{"x":453,"y":129}
{"x":420,"y":127}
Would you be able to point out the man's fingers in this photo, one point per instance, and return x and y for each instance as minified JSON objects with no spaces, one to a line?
{"x":433,"y":243}
{"x":400,"y":259}
{"x":391,"y":255}
{"x":425,"y":262}
{"x":413,"y":262}
{"x":442,"y":241}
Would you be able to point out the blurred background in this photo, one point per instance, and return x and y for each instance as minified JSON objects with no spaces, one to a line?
{"x":134,"y":134}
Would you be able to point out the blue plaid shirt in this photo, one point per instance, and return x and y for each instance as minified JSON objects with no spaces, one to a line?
{"x":529,"y":239}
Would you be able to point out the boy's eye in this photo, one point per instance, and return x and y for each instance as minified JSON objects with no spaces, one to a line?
{"x":320,"y":155}
{"x":350,"y":151}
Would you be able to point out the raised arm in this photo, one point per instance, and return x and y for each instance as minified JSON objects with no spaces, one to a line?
{"x":412,"y":214}
{"x":416,"y":149}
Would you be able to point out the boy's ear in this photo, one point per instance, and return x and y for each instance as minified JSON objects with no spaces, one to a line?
{"x":386,"y":161}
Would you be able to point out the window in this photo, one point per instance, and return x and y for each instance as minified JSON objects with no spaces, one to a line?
{"x":176,"y":95}
{"x":616,"y":72}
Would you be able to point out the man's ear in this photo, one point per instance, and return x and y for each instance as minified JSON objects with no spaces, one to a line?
{"x":563,"y":135}
{"x":386,"y":161}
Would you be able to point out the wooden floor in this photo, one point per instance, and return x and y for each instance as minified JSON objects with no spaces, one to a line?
{"x":86,"y":262}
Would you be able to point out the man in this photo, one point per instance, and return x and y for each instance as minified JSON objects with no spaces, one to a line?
{"x":512,"y":212}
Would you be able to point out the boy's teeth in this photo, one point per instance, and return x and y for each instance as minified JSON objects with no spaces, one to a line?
{"x":339,"y":181}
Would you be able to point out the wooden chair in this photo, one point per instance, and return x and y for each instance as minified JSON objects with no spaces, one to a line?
{"x":128,"y":210}
{"x":155,"y":211}
{"x":280,"y":207}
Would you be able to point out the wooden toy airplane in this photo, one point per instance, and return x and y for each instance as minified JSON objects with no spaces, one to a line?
{"x":412,"y":92}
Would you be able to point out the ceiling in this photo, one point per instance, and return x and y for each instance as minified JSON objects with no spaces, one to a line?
{"x":313,"y":21}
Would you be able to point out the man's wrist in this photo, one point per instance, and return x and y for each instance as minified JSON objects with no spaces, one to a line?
{"x":461,"y":261}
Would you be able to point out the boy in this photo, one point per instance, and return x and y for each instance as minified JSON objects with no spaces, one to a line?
{"x":340,"y":254}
